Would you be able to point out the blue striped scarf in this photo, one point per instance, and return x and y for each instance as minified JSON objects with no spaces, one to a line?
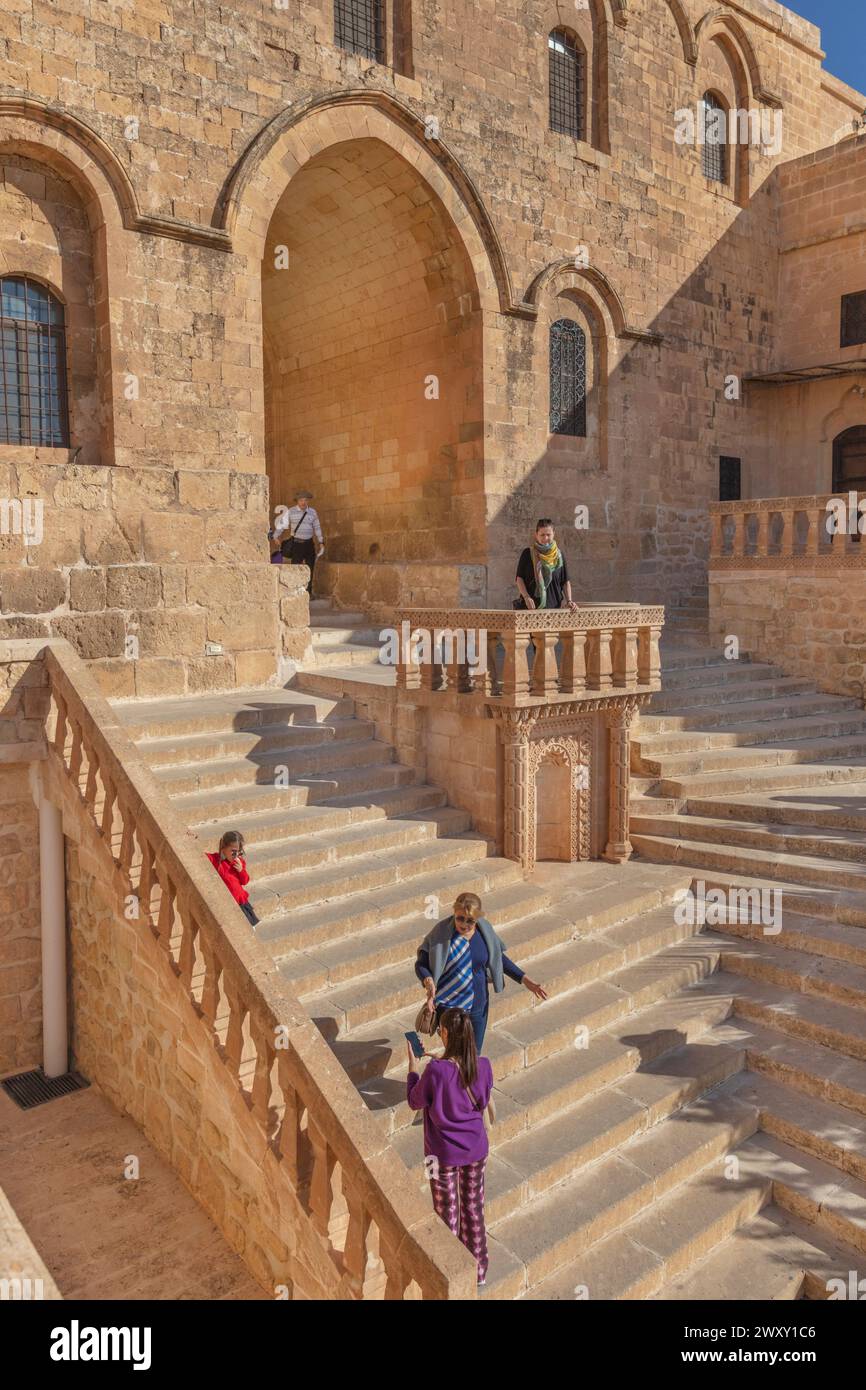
{"x":455,"y":989}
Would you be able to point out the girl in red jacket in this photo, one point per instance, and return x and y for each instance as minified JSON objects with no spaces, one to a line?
{"x":229,"y":864}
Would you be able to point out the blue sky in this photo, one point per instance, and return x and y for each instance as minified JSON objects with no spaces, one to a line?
{"x":843,"y":34}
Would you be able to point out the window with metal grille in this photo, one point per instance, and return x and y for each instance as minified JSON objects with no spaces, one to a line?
{"x":853,"y":319}
{"x":567,"y":64}
{"x":567,"y":378}
{"x":33,"y":401}
{"x":359,"y":27}
{"x":714,"y":137}
{"x":729,"y":479}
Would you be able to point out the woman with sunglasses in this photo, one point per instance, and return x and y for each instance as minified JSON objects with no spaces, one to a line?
{"x":459,"y":956}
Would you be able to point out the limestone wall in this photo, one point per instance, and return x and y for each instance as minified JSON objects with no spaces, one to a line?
{"x":808,"y":622}
{"x":823,"y":257}
{"x":147,"y":151}
{"x":22,"y":708}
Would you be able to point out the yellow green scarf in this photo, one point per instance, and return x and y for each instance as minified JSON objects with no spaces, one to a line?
{"x":545,"y":563}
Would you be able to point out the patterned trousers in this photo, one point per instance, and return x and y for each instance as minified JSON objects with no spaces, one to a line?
{"x":458,"y":1197}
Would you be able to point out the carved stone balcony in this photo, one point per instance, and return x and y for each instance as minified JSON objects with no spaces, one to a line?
{"x":561,"y":689}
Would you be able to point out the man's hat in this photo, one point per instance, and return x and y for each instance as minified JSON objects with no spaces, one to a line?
{"x":303,"y":492}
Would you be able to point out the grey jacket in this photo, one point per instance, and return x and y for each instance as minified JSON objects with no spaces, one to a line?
{"x":435,"y":946}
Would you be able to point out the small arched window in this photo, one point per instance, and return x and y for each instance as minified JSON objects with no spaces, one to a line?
{"x":849,"y":460}
{"x":359,"y":28}
{"x":714,"y":139}
{"x":567,"y":378}
{"x":567,"y":67}
{"x":33,"y":399}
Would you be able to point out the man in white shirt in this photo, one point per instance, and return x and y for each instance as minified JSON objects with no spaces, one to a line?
{"x":299,"y":526}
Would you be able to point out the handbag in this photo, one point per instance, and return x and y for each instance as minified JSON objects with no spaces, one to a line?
{"x":426,"y":1020}
{"x":288,"y":547}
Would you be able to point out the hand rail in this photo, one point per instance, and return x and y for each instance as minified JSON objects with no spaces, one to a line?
{"x":310,"y":1114}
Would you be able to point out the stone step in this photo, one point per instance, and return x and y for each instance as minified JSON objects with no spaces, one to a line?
{"x":350,"y":958}
{"x":808,"y":1067}
{"x":342,"y":784}
{"x":573,"y":1119}
{"x":214,"y":747}
{"x":806,"y":750}
{"x":801,"y":932}
{"x":810,"y":1125}
{"x":360,"y":635}
{"x":322,"y":617}
{"x":775,"y":1257}
{"x":345,"y":654}
{"x":832,"y":724}
{"x":659,"y":1198}
{"x":677,"y":655}
{"x":308,"y":927}
{"x":748,"y":863}
{"x":808,"y":1016}
{"x":299,"y":764}
{"x":688,"y":697}
{"x":720,"y":673}
{"x":361,"y":808}
{"x":845,"y":906}
{"x":812,"y":841}
{"x":590,"y":988}
{"x":802,"y":972}
{"x":698,"y":1218}
{"x":274,"y":897}
{"x":233,"y":711}
{"x":708,"y":717}
{"x":758,"y":780}
{"x":844,"y":809}
{"x":297,"y":855}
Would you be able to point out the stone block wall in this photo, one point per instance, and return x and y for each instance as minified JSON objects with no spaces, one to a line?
{"x":136,"y":1036}
{"x":155,"y":158}
{"x":809,"y":623}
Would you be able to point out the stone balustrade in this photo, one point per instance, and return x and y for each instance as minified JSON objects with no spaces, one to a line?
{"x":788,"y":532}
{"x":561,"y":690}
{"x":369,"y":1218}
{"x":591,"y":651}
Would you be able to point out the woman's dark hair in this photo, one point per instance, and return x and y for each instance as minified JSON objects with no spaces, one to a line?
{"x":232,"y":837}
{"x":460,"y":1047}
{"x":543,"y":521}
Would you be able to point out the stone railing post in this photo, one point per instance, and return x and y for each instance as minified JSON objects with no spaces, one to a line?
{"x":515,"y":670}
{"x":599,"y":670}
{"x":572,"y":674}
{"x":716,"y":534}
{"x":649,"y":666}
{"x":545,"y":677}
{"x":762,"y":540}
{"x":738,"y":547}
{"x":786,"y":545}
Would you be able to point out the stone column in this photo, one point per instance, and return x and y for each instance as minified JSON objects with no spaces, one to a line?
{"x":52,"y":874}
{"x":619,"y":720}
{"x":517,"y":832}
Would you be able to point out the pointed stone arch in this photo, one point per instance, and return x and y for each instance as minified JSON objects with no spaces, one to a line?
{"x":685,"y":31}
{"x":719,"y":23}
{"x":599,"y":291}
{"x":295,"y":136}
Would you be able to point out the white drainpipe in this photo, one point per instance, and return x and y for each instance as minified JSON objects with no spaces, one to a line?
{"x":52,"y":875}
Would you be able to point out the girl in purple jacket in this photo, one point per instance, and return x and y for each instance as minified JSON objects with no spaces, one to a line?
{"x":454,"y":1092}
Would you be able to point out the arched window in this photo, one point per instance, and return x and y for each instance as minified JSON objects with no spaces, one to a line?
{"x":567,"y":378}
{"x":33,"y":402}
{"x":567,"y":66}
{"x":714,"y":139}
{"x":849,"y":460}
{"x":359,"y":27}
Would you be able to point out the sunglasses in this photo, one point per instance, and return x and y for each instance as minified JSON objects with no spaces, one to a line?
{"x":461,"y":917}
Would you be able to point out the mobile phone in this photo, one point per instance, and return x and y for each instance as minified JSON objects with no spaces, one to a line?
{"x":415,"y":1043}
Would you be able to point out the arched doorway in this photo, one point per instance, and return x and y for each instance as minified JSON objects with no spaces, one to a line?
{"x":373,"y":358}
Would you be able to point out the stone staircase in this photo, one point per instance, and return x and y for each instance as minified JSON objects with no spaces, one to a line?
{"x":689,"y":619}
{"x":341,"y":638}
{"x":664,"y":1052}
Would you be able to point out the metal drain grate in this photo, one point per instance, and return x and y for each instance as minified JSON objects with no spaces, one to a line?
{"x":32,"y":1088}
